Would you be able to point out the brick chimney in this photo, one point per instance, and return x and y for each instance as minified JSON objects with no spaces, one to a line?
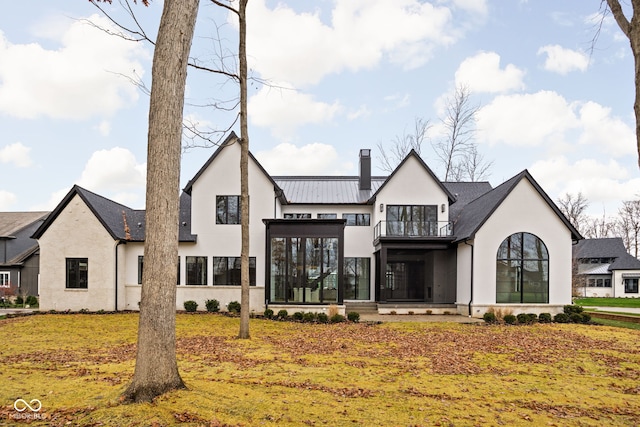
{"x":365,"y":169}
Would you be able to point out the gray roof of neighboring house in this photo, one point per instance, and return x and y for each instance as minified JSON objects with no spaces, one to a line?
{"x":611,"y":247}
{"x":122,"y":222}
{"x":13,"y":222}
{"x":594,"y":269}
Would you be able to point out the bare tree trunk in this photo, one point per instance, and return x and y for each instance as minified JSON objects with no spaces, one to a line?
{"x":244,"y":174}
{"x":156,"y":370}
{"x":631,"y":29}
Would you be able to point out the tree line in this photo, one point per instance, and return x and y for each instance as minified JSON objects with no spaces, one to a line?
{"x":625,"y":224}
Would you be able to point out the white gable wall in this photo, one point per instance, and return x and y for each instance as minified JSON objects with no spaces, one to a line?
{"x":411,"y":185}
{"x":524,"y":210}
{"x":77,"y":233}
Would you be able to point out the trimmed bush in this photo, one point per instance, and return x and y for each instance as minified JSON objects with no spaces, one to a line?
{"x":509,"y":319}
{"x":268,"y":313}
{"x":353,"y":316}
{"x":309,"y":317}
{"x":31,"y":301}
{"x":545,"y":318}
{"x":337,"y":318}
{"x":561,"y":318}
{"x":586,"y":318}
{"x":532,"y":318}
{"x":489,"y":317}
{"x":570,"y":309}
{"x":233,"y":307}
{"x":190,"y":306}
{"x":575,"y":317}
{"x":322,"y":318}
{"x":522,"y":318}
{"x":298,"y":315}
{"x":283,"y":314}
{"x":19,"y":300}
{"x":213,"y":305}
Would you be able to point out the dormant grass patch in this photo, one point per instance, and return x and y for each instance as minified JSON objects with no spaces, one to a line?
{"x":295,"y":374}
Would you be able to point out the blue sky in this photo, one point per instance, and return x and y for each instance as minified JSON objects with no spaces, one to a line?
{"x":343,"y":74}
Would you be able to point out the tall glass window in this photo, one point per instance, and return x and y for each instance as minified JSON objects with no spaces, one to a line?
{"x":357,"y":283}
{"x":227,"y":209}
{"x":196,"y":270}
{"x":522,"y":270}
{"x":412,"y":220}
{"x":226,"y":271}
{"x":304,"y":269}
{"x":77,"y":273}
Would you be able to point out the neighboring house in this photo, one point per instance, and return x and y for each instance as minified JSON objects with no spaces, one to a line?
{"x":606,"y":269}
{"x":19,"y":255}
{"x":405,"y":243}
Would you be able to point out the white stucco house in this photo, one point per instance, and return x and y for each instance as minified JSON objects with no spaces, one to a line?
{"x":605,"y":269}
{"x":404,"y":243}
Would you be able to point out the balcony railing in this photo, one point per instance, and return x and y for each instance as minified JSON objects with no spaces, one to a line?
{"x":413,"y":229}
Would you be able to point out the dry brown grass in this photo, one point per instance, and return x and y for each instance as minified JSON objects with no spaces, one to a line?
{"x":291,"y":374}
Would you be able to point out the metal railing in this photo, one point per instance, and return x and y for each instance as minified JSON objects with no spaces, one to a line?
{"x":411,"y":229}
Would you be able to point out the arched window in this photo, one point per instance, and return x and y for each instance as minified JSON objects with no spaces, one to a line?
{"x":522,"y":270}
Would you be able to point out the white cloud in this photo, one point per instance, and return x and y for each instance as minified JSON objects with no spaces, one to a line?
{"x":114,"y":170}
{"x":482,"y":73}
{"x":16,"y":153}
{"x":78,"y":80}
{"x":478,"y":7}
{"x":526,"y":120}
{"x":311,"y":159}
{"x":599,"y":129}
{"x":6,"y":200}
{"x":302,"y":49}
{"x":562,"y":60}
{"x":362,"y":111}
{"x":284,"y":110}
{"x":604,"y":183}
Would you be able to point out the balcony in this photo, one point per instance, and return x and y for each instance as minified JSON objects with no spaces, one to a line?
{"x":412,"y":229}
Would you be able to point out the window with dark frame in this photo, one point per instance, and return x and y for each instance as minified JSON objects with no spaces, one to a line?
{"x":77,"y":273}
{"x":327,"y":216}
{"x":226,"y":271}
{"x":196,"y":270}
{"x":228,"y":210}
{"x":631,"y":286}
{"x":297,"y":216}
{"x":357,"y":282}
{"x":522,"y":270}
{"x":357,"y":219}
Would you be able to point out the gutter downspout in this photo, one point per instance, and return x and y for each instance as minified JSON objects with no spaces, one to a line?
{"x":466,"y":242}
{"x":115,"y":304}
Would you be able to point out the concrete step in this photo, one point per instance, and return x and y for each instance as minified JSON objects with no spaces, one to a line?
{"x":362,"y":307}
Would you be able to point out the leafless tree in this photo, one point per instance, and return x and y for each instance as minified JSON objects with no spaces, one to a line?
{"x":574,"y":207}
{"x":402,"y":145}
{"x":474,"y":167}
{"x":631,"y":29}
{"x":156,"y":370}
{"x":459,"y":122}
{"x":629,"y":225}
{"x":599,"y":227}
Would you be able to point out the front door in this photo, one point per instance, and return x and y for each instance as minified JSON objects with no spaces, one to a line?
{"x":405,"y":281}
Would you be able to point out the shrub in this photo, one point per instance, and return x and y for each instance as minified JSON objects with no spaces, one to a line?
{"x":509,"y":319}
{"x":31,"y":300}
{"x":333,"y":309}
{"x":213,"y":305}
{"x":570,"y":309}
{"x":561,"y":318}
{"x":268,"y":313}
{"x":19,"y":300}
{"x":429,"y":311}
{"x":353,"y":316}
{"x":337,"y":318}
{"x":309,"y":317}
{"x":545,"y":318}
{"x":575,"y":317}
{"x":489,"y":317}
{"x":283,"y":314}
{"x":586,"y":318}
{"x":233,"y":307}
{"x":532,"y":318}
{"x":298,"y":315}
{"x":322,"y":318}
{"x":522,"y":318}
{"x":190,"y":306}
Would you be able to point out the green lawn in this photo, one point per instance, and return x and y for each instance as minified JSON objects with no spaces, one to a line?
{"x":608,"y":302}
{"x":294,"y":374}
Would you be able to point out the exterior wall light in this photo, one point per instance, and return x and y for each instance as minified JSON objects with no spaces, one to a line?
{"x":381,"y":207}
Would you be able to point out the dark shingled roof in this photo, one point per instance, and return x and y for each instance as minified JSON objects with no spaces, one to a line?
{"x":12,"y":222}
{"x":474,"y":214}
{"x":465,"y":192}
{"x":611,"y":247}
{"x":122,"y":222}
